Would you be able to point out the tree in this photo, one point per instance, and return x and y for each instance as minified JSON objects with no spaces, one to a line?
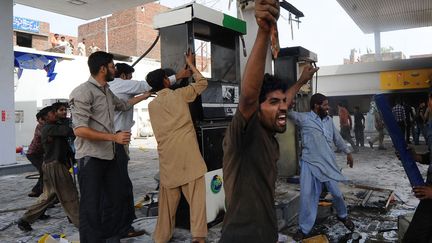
{"x":387,"y":49}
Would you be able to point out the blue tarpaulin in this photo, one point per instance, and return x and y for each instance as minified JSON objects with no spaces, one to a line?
{"x":24,"y":60}
{"x":398,"y":139}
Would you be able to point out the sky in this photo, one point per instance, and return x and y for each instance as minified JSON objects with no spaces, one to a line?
{"x":326,"y":29}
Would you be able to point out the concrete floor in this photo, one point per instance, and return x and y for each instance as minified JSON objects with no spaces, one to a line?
{"x":372,"y":167}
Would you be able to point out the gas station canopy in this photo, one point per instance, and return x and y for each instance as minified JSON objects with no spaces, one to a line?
{"x":387,"y":15}
{"x":370,"y":15}
{"x":83,"y":9}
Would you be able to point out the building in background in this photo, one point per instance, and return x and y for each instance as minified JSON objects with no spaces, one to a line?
{"x":34,"y":34}
{"x":130,"y":32}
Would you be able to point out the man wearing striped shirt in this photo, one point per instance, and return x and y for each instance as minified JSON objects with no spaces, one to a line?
{"x":399,"y":114}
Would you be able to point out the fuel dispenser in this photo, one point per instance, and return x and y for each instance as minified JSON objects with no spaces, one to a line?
{"x":288,"y":68}
{"x":179,"y":30}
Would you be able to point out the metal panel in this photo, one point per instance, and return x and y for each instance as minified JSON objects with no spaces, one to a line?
{"x":172,"y":18}
{"x":210,"y":139}
{"x":225,"y":60}
{"x":386,"y":15}
{"x":288,"y":164}
{"x":175,"y":40}
{"x":90,"y":9}
{"x":368,"y":67}
{"x":366,"y":78}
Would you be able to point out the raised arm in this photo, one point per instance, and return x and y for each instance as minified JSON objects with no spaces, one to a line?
{"x":200,"y":81}
{"x":307,"y":74}
{"x":139,"y":98}
{"x":266,"y":14}
{"x":121,"y":105}
{"x":191,"y":91}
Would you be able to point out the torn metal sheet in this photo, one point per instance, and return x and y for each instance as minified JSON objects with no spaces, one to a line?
{"x":369,"y":197}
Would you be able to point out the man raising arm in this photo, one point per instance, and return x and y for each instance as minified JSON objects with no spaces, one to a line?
{"x":250,"y":148}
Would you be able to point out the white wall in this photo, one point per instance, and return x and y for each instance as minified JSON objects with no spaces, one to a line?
{"x":24,"y":131}
{"x":34,"y":86}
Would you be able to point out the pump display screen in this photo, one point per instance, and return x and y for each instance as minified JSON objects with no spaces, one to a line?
{"x":219,"y":92}
{"x":220,"y":99}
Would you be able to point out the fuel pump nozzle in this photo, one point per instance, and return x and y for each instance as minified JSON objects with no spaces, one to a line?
{"x":316,"y":78}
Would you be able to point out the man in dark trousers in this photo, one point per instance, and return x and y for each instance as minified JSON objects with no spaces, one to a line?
{"x":35,"y":153}
{"x":420,"y":228}
{"x":359,"y":126}
{"x":58,"y":183}
{"x":250,"y":147}
{"x":420,"y":123}
{"x":125,"y":88}
{"x":399,"y":114}
{"x":346,"y":125}
{"x":99,"y":150}
{"x":409,"y":121}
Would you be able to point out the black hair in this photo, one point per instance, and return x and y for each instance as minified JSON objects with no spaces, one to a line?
{"x":98,"y":59}
{"x":57,"y":105}
{"x":44,"y":111}
{"x":317,"y":99}
{"x":38,"y":115}
{"x":169,"y":71}
{"x":155,"y":79}
{"x":123,"y":68}
{"x":270,"y":84}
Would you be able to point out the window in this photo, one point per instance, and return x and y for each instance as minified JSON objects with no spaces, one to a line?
{"x":203,"y":57}
{"x":19,"y":116}
{"x":24,"y":39}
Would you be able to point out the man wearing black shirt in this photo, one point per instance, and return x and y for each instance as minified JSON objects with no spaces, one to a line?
{"x":57,"y":179}
{"x":420,"y":228}
{"x":359,"y":126}
{"x":420,"y":123}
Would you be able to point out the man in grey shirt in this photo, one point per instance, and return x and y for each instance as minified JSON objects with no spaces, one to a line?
{"x":99,"y":150}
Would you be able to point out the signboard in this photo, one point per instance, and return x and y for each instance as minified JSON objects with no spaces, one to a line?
{"x":27,"y":25}
{"x":6,"y":115}
{"x":406,"y":79}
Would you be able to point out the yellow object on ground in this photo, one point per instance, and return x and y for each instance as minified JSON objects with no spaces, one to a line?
{"x":325,"y":204}
{"x":316,"y":239}
{"x":47,"y":238}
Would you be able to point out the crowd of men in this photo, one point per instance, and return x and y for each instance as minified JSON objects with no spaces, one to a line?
{"x":59,"y":44}
{"x":102,"y":118}
{"x":412,"y":122}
